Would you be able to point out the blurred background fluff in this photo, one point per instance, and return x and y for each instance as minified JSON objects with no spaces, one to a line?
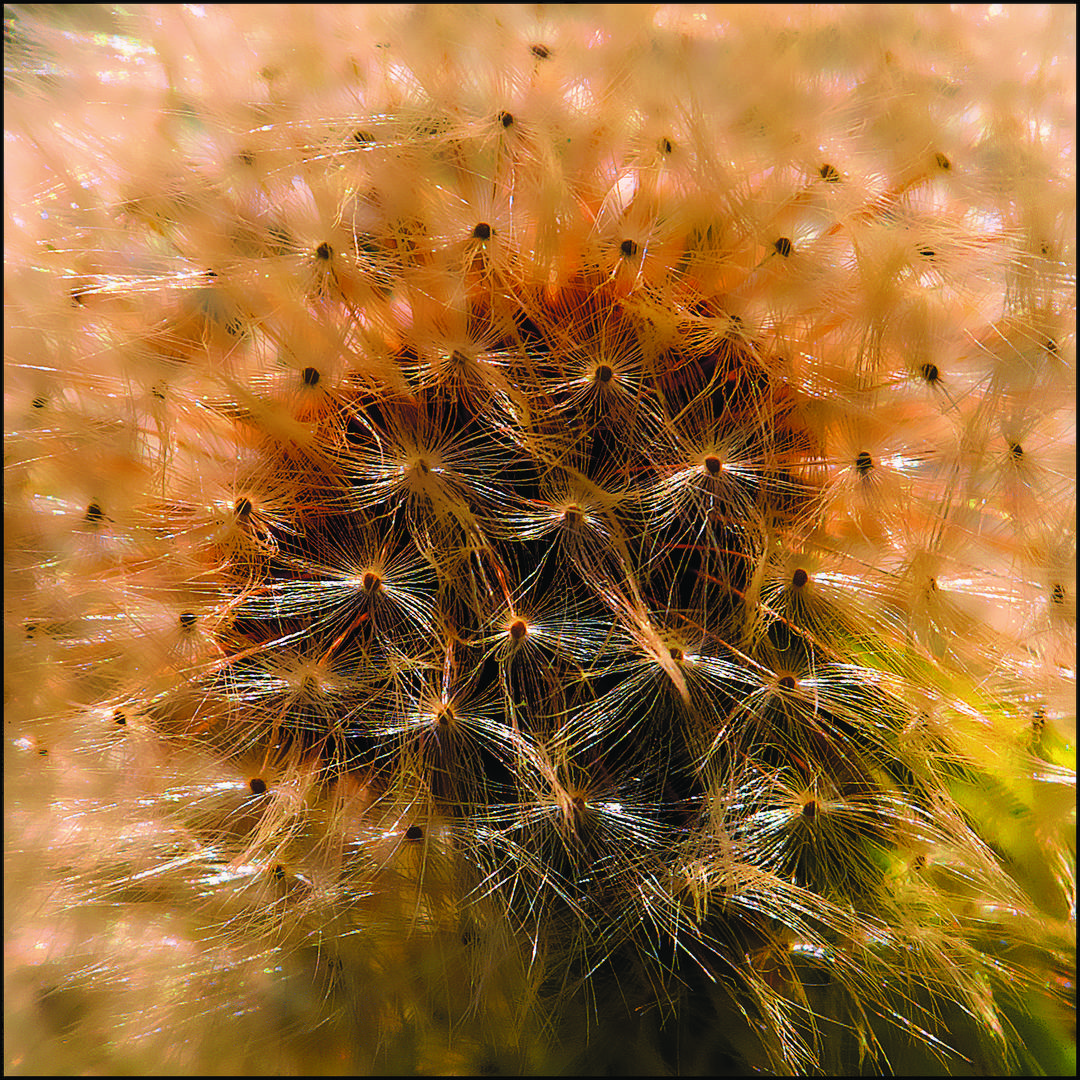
{"x":539,"y":538}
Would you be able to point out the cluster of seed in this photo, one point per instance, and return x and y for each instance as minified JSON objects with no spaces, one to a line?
{"x":487,"y":533}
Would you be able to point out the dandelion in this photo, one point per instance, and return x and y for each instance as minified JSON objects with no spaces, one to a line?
{"x":539,"y":540}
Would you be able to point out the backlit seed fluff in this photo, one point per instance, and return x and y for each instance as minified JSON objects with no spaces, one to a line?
{"x":539,"y":539}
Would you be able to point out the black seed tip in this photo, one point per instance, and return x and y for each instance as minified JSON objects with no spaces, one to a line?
{"x":712,"y":465}
{"x":666,"y":146}
{"x":39,"y":403}
{"x":324,"y":252}
{"x":787,"y":682}
{"x":863,"y":463}
{"x":1016,"y":451}
{"x":628,"y":248}
{"x":930,"y":373}
{"x":242,"y":508}
{"x":942,"y":161}
{"x":187,"y":620}
{"x":783,"y":246}
{"x":506,"y":119}
{"x":1057,"y":594}
{"x":604,"y":373}
{"x":482,"y":231}
{"x":119,"y":719}
{"x":372,"y":581}
{"x":809,"y":810}
{"x":414,"y":832}
{"x":927,"y":252}
{"x":94,"y":514}
{"x":257,"y":785}
{"x":830,"y":173}
{"x":800,"y":578}
{"x":518,"y":629}
{"x":541,"y":52}
{"x":310,"y":376}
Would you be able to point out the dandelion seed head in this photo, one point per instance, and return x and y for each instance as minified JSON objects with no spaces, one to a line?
{"x":544,"y":513}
